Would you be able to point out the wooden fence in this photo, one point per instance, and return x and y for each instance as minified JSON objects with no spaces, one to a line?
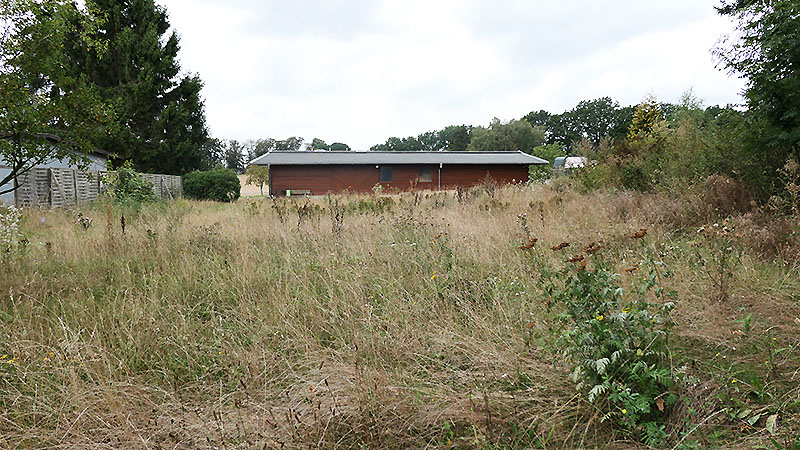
{"x":53,"y":187}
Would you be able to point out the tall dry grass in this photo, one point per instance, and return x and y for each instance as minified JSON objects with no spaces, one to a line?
{"x":411,"y":323}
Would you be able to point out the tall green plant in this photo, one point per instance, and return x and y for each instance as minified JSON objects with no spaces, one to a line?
{"x":128,"y":187}
{"x":617,"y":342}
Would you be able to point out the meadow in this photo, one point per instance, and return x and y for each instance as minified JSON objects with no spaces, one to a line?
{"x":419,"y":320}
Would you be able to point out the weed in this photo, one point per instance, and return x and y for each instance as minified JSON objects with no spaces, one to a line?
{"x":616,"y":343}
{"x":718,"y":256}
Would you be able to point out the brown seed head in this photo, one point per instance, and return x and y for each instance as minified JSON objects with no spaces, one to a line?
{"x":529,"y":245}
{"x":560,"y":246}
{"x":576,"y":258}
{"x":592,"y":248}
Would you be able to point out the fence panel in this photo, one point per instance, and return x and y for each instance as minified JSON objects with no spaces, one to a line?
{"x":63,"y":190}
{"x":56,"y":187}
{"x":33,"y":188}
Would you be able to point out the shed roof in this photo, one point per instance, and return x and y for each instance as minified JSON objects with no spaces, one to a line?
{"x":324,"y":158}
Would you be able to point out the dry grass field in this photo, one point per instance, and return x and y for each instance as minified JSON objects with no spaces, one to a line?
{"x":358,"y":322}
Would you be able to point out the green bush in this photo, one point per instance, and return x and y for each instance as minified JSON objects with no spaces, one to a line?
{"x":127,"y":186}
{"x":617,"y":346}
{"x":633,"y":176}
{"x":220,"y":184}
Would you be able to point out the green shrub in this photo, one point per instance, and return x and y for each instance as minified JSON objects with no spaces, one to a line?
{"x":127,"y":186}
{"x":617,"y":347}
{"x":220,"y":184}
{"x":633,"y":176}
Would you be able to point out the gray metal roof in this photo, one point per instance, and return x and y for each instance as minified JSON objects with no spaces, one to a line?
{"x":324,"y":158}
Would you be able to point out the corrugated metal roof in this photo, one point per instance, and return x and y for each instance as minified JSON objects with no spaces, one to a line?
{"x":324,"y":158}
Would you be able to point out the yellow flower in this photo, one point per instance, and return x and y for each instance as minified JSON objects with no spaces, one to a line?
{"x":600,"y":317}
{"x":433,"y":276}
{"x":734,"y":380}
{"x":624,"y":411}
{"x":4,"y":356}
{"x":626,"y":310}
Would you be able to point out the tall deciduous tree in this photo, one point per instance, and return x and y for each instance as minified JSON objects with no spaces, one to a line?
{"x":163,"y":127}
{"x":455,"y":138}
{"x":766,"y":54}
{"x":505,"y":137}
{"x":317,"y":144}
{"x":590,"y":120}
{"x":45,"y":111}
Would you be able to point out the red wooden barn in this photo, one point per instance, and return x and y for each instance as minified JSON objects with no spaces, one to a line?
{"x":318,"y":173}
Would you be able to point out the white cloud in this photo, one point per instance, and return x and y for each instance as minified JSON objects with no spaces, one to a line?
{"x":361,"y":71}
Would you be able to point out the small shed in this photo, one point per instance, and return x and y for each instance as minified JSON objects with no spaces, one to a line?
{"x":318,"y":173}
{"x":96,"y":162}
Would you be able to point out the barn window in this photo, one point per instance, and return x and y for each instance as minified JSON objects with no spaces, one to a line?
{"x":386,"y":174}
{"x":425,"y":175}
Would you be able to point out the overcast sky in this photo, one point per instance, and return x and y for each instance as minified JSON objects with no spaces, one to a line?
{"x":360,"y":71}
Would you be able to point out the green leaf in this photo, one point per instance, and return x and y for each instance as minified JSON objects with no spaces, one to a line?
{"x":772,"y":423}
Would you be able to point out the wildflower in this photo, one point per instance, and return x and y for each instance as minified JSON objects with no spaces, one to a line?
{"x":626,"y":310}
{"x":766,"y":363}
{"x":624,"y":411}
{"x":600,"y":317}
{"x":4,"y":356}
{"x":734,"y":380}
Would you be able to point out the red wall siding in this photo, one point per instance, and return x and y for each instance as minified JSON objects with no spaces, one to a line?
{"x":406,"y":178}
{"x":338,"y":178}
{"x":468,"y":175}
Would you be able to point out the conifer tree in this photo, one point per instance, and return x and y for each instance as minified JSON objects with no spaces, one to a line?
{"x":161,"y":112}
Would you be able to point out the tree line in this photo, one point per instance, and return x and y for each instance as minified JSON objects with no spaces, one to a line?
{"x":235,"y":155}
